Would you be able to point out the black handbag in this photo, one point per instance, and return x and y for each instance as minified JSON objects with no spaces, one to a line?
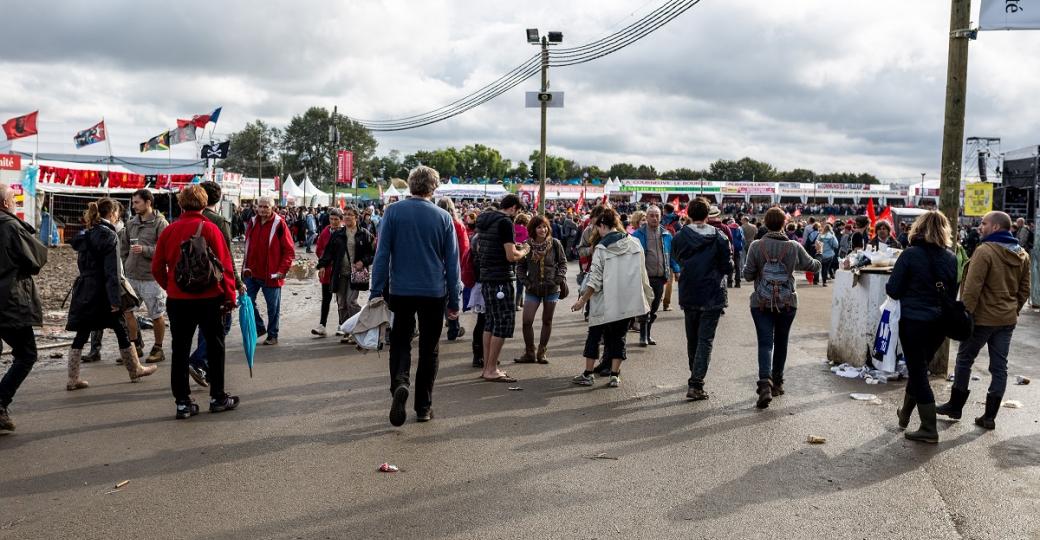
{"x":957,"y":323}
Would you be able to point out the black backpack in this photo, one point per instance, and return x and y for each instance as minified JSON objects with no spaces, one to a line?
{"x":198,"y":268}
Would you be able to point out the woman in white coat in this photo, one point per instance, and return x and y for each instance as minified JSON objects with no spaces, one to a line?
{"x":617,"y":263}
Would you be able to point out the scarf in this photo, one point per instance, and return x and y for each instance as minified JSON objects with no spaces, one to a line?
{"x":1001,"y":237}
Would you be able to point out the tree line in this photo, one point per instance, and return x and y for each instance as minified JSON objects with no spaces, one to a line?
{"x":303,"y":148}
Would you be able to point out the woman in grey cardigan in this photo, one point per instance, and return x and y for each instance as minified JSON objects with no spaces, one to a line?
{"x":771,"y":264}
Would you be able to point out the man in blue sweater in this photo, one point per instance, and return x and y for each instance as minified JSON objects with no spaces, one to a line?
{"x":416,"y":270}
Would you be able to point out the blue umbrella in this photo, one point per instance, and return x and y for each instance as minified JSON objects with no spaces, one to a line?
{"x":247,"y":322}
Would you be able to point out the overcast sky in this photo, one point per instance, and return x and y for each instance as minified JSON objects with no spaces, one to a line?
{"x":832,"y":86}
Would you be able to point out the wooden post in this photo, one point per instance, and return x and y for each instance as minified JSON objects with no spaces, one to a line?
{"x":953,"y":137}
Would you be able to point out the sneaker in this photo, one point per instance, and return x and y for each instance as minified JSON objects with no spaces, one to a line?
{"x":198,"y":375}
{"x":615,"y":381}
{"x":226,"y":403}
{"x":187,"y":410}
{"x":156,"y":355}
{"x":651,"y":341}
{"x":320,"y":331}
{"x":397,"y":412}
{"x":6,"y":424}
{"x":696,"y":394}
{"x":348,"y":340}
{"x":462,"y":332}
{"x":271,"y":341}
{"x":424,"y":416}
{"x":584,"y":380}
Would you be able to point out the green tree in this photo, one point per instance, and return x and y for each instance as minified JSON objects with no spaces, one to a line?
{"x":255,"y":139}
{"x":307,"y":148}
{"x":479,"y":161}
{"x":742,"y":170}
{"x":646,"y":172}
{"x":623,"y":170}
{"x":796,"y":175}
{"x":684,"y":174}
{"x":555,"y":166}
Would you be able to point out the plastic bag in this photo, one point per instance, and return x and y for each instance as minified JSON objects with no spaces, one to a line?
{"x":368,"y":339}
{"x":886,"y":337}
{"x":348,"y":326}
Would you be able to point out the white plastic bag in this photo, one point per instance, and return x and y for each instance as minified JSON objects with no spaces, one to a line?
{"x":368,"y":339}
{"x":886,"y":337}
{"x":347,"y":327}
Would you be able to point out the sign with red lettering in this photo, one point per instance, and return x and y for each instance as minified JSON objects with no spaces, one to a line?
{"x":345,"y":174}
{"x":10,"y":162}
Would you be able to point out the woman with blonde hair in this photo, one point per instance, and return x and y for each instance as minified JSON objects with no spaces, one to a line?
{"x":97,"y":294}
{"x":635,"y":221}
{"x":924,"y":271}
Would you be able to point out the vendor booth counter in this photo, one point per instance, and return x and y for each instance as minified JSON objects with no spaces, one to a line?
{"x":855,"y":313}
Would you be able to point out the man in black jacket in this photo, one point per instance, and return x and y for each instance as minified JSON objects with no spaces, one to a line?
{"x":21,"y":257}
{"x":703,"y":253}
{"x":351,"y":247}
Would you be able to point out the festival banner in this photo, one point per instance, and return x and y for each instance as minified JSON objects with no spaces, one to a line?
{"x":91,"y":135}
{"x":345,"y":170}
{"x":978,"y":199}
{"x":10,"y":162}
{"x":1009,"y":15}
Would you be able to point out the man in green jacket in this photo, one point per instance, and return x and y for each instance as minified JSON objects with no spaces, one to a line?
{"x":21,"y":257}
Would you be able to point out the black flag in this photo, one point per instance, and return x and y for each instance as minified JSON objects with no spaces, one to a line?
{"x":216,"y":150}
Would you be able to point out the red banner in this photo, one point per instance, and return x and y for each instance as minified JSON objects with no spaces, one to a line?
{"x":345,"y":169}
{"x":10,"y":162}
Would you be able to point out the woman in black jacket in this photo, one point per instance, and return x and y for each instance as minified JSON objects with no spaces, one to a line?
{"x":914,"y":282}
{"x":354,"y":243}
{"x":97,"y":293}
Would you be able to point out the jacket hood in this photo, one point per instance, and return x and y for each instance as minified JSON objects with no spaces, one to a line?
{"x":619,"y":243}
{"x":6,"y":216}
{"x":701,"y":234}
{"x":1007,"y":248}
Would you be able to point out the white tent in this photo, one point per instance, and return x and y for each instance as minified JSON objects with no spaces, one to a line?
{"x":471,"y":191}
{"x":312,"y":196}
{"x":391,"y":192}
{"x":291,"y":190}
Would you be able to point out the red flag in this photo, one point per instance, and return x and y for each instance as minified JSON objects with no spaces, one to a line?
{"x":21,"y":126}
{"x":581,"y":202}
{"x":605,"y":201}
{"x":343,"y":203}
{"x":831,"y":219}
{"x":797,"y":212}
{"x":886,"y":215}
{"x":678,"y":206}
{"x":870,"y":212}
{"x":537,"y":199}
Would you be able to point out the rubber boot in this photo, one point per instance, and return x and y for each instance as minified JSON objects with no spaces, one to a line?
{"x":953,"y":407}
{"x":928,"y":433}
{"x":133,"y":364}
{"x":75,"y":359}
{"x":988,"y":419}
{"x":649,"y":333}
{"x":765,"y":393}
{"x":905,"y":411}
{"x":644,"y":334}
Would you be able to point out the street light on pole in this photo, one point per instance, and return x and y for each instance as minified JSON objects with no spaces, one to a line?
{"x":552,"y":38}
{"x":920,"y":191}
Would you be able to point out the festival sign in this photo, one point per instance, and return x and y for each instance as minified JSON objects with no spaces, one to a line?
{"x":672,"y":186}
{"x":749,"y":188}
{"x":10,"y":162}
{"x":978,"y":199}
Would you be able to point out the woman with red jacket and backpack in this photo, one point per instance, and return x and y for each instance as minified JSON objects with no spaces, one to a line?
{"x":202,"y":306}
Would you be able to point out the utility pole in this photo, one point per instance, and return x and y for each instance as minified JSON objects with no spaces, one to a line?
{"x":259,"y":167}
{"x":334,"y":143}
{"x":545,"y":106}
{"x":953,"y":130}
{"x":953,"y":137}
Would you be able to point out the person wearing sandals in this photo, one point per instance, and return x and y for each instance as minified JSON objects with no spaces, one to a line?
{"x":203,"y":307}
{"x":97,"y":294}
{"x":541,"y":272}
{"x":917,"y":272}
{"x":617,"y":265}
{"x":771,"y":263}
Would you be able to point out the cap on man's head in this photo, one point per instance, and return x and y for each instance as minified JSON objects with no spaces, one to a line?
{"x":714,"y":211}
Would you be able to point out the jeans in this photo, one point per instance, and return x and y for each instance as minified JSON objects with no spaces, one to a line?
{"x":734,"y":276}
{"x":430,"y":312}
{"x":273,"y":297}
{"x":326,"y":302}
{"x":920,"y":340}
{"x":198,"y":358}
{"x":700,"y":336}
{"x":23,"y":348}
{"x":998,"y":341}
{"x":185,"y":317}
{"x":773,"y":329}
{"x":825,"y":272}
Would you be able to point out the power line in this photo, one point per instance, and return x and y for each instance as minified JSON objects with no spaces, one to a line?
{"x":609,"y":44}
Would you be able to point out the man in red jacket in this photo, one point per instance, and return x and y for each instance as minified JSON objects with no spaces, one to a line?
{"x":189,"y":310}
{"x":269,"y":254}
